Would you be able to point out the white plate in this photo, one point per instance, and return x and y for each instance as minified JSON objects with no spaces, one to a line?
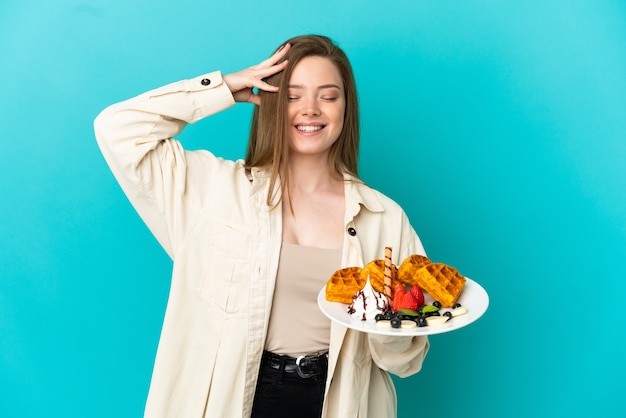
{"x":474,"y":298}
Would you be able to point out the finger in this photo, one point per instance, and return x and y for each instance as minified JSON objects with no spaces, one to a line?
{"x":278,"y":55}
{"x":275,"y":58}
{"x":254,"y":99}
{"x":248,"y":96}
{"x":253,"y":76}
{"x":274,"y":69}
{"x":262,"y":85}
{"x":257,"y":78}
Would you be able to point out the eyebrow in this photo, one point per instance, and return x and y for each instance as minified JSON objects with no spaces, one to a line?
{"x":323,"y":86}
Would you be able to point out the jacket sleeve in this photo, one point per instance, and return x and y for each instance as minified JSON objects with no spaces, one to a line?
{"x":402,"y":356}
{"x":136,"y":139}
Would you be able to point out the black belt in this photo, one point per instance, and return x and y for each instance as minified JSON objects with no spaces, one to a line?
{"x":305,"y":366}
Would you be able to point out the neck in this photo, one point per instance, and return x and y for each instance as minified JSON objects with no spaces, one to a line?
{"x":311,"y":174}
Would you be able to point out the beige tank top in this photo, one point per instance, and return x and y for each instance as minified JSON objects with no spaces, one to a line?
{"x":297,"y":326}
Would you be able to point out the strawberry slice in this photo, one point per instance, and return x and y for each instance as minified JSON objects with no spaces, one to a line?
{"x":398,"y":294}
{"x":418,"y":294}
{"x":399,"y":289}
{"x":409,"y":302}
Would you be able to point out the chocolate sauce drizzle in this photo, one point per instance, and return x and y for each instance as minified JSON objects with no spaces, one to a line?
{"x":381,"y":303}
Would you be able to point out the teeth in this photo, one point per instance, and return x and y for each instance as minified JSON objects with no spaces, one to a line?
{"x":309,"y":128}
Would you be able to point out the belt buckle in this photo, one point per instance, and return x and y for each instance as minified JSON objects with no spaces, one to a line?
{"x":299,"y":369}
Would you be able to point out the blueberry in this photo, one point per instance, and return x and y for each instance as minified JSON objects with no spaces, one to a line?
{"x":456,"y":305}
{"x":379,"y":317}
{"x":437,"y":304}
{"x":421,"y":321}
{"x":448,"y":314}
{"x":396,"y":322}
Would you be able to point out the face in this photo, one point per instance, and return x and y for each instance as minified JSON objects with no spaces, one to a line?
{"x":316,"y":106}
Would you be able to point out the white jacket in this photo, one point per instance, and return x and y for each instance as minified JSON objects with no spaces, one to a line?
{"x":210,"y":215}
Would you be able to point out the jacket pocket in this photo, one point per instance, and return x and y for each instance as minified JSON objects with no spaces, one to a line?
{"x":226,"y":277}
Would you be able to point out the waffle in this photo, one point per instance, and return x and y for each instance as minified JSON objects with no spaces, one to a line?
{"x":376,"y":271}
{"x":344,"y":283}
{"x":409,"y":266}
{"x":442,"y":282}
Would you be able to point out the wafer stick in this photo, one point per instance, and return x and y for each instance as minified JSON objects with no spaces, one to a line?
{"x":387,"y":286}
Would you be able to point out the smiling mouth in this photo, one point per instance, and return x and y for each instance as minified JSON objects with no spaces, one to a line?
{"x":309,"y":128}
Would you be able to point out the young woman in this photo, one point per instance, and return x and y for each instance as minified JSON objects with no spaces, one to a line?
{"x":254,"y":241}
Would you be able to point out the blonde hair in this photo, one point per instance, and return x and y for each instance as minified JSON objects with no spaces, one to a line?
{"x":268,"y":145}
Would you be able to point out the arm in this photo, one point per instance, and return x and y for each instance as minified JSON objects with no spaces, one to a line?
{"x":402,"y":356}
{"x":136,"y":139}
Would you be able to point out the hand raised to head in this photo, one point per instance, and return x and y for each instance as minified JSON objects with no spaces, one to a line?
{"x":242,"y":82}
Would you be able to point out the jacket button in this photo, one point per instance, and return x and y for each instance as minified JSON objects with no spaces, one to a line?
{"x":352,"y":231}
{"x":205,"y":82}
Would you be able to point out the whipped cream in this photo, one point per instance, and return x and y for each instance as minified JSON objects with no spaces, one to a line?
{"x":367,"y":303}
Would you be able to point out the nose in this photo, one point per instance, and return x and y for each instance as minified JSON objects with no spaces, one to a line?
{"x":310,"y":107}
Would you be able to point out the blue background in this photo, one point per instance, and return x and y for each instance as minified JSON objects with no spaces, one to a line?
{"x":500,"y":127}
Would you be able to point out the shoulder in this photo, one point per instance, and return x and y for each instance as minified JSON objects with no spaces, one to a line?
{"x":207,"y":174}
{"x":202,"y":159}
{"x":386,"y":223}
{"x":373,"y":199}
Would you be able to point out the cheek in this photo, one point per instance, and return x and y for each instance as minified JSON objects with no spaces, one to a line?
{"x":291,"y":113}
{"x":339,"y":114}
{"x":339,"y":126}
{"x":341,"y":118}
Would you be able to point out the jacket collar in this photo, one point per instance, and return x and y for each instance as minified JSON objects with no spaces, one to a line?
{"x":358,"y":193}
